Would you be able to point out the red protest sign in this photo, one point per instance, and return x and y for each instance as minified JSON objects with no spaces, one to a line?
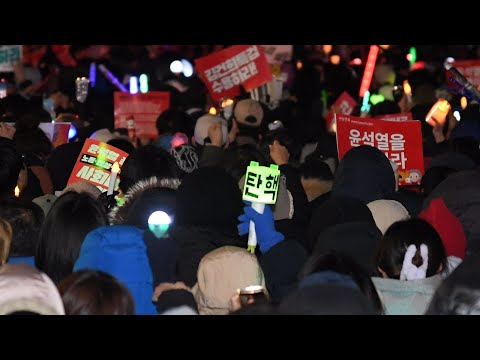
{"x":400,"y":141}
{"x":95,"y":162}
{"x":470,"y":69}
{"x":396,"y":117}
{"x":225,"y":70}
{"x":343,"y":105}
{"x":142,"y":108}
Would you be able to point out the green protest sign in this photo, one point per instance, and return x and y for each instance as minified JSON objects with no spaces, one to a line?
{"x":261,"y":183}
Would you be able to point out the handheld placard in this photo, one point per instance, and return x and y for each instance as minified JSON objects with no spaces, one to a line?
{"x":261,"y":187}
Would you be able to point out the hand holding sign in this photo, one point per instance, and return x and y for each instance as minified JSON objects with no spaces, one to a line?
{"x":261,"y":187}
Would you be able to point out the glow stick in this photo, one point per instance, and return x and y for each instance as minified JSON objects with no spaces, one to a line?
{"x":113,"y":80}
{"x":143,"y":83}
{"x":93,"y":74}
{"x":133,"y":85}
{"x":369,"y":69}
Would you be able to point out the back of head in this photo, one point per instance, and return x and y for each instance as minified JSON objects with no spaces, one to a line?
{"x":356,"y":239}
{"x":314,"y":168}
{"x":145,"y":162}
{"x":122,"y":144}
{"x":459,"y":293}
{"x":384,"y":108}
{"x":364,"y":173}
{"x":326,"y":299}
{"x":25,"y":218}
{"x":393,"y":246}
{"x":11,"y":163}
{"x":468,"y":146}
{"x":336,"y":210}
{"x":121,"y":252}
{"x":83,"y":187}
{"x":448,"y":227}
{"x":434,"y":176}
{"x":202,"y":125}
{"x":209,"y":197}
{"x":171,"y":121}
{"x":71,"y":218}
{"x":91,"y":292}
{"x":186,"y":157}
{"x":103,"y":135}
{"x":220,"y":273}
{"x":339,"y":268}
{"x":26,"y":289}
{"x":387,"y":212}
{"x":249,"y":113}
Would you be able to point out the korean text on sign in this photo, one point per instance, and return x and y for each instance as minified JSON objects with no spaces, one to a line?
{"x":95,"y":162}
{"x":261,"y":183}
{"x":400,"y":141}
{"x":224,"y":71}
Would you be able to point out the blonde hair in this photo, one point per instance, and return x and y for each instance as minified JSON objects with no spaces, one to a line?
{"x":5,"y":240}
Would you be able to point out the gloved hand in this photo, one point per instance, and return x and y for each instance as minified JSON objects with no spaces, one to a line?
{"x":108,"y":201}
{"x":267,"y":236}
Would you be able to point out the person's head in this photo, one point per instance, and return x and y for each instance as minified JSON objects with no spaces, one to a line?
{"x":171,"y":121}
{"x":384,"y":108}
{"x":434,"y":176}
{"x":33,"y":142}
{"x":201,"y":129}
{"x":11,"y":163}
{"x":71,"y":218}
{"x":248,"y":114}
{"x":220,"y":273}
{"x":5,"y":240}
{"x":387,"y":212}
{"x":364,"y":173}
{"x":209,"y":197}
{"x":399,"y":237}
{"x":26,"y":290}
{"x":316,"y":177}
{"x":339,"y":268}
{"x":238,"y":158}
{"x":459,"y":293}
{"x":122,"y":144}
{"x":145,"y":162}
{"x":186,"y":157}
{"x":93,"y":292}
{"x":25,"y":218}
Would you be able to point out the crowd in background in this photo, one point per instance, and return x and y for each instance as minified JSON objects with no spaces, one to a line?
{"x":342,"y":238}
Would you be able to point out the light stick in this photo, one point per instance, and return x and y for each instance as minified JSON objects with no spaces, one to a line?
{"x":261,"y":187}
{"x":93,"y":74}
{"x":113,"y":178}
{"x":158,"y":223}
{"x":113,"y":80}
{"x":369,"y":69}
{"x":133,"y":85}
{"x":143,"y":79}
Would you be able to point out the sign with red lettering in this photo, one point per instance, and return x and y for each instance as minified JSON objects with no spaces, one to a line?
{"x":396,"y":117}
{"x":224,"y":71}
{"x":345,"y":104}
{"x":143,"y":109}
{"x":400,"y":141}
{"x":95,"y":162}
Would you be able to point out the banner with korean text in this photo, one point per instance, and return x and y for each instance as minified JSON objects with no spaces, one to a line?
{"x":400,"y":141}
{"x":224,"y":71}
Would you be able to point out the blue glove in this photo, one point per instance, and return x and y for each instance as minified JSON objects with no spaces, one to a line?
{"x":267,"y":236}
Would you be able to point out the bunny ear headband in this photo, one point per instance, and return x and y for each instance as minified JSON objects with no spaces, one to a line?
{"x":409,"y":270}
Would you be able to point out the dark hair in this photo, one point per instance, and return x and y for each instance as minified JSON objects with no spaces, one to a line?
{"x":33,"y":142}
{"x":342,"y":263}
{"x":399,"y":236}
{"x":467,"y":145}
{"x":25,"y":218}
{"x":171,"y":121}
{"x":93,"y":292}
{"x":237,"y":158}
{"x":71,"y":217}
{"x":122,"y":144}
{"x":433,"y":177}
{"x":11,"y":163}
{"x":316,"y":169}
{"x":32,"y":119}
{"x":145,"y":162}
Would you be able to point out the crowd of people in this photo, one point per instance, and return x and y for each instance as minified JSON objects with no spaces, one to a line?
{"x":342,"y":238}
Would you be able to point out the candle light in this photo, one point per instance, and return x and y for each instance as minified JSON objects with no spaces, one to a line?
{"x":17,"y":191}
{"x":113,"y":178}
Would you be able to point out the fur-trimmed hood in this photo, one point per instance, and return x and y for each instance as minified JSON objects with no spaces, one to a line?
{"x":118,"y":215}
